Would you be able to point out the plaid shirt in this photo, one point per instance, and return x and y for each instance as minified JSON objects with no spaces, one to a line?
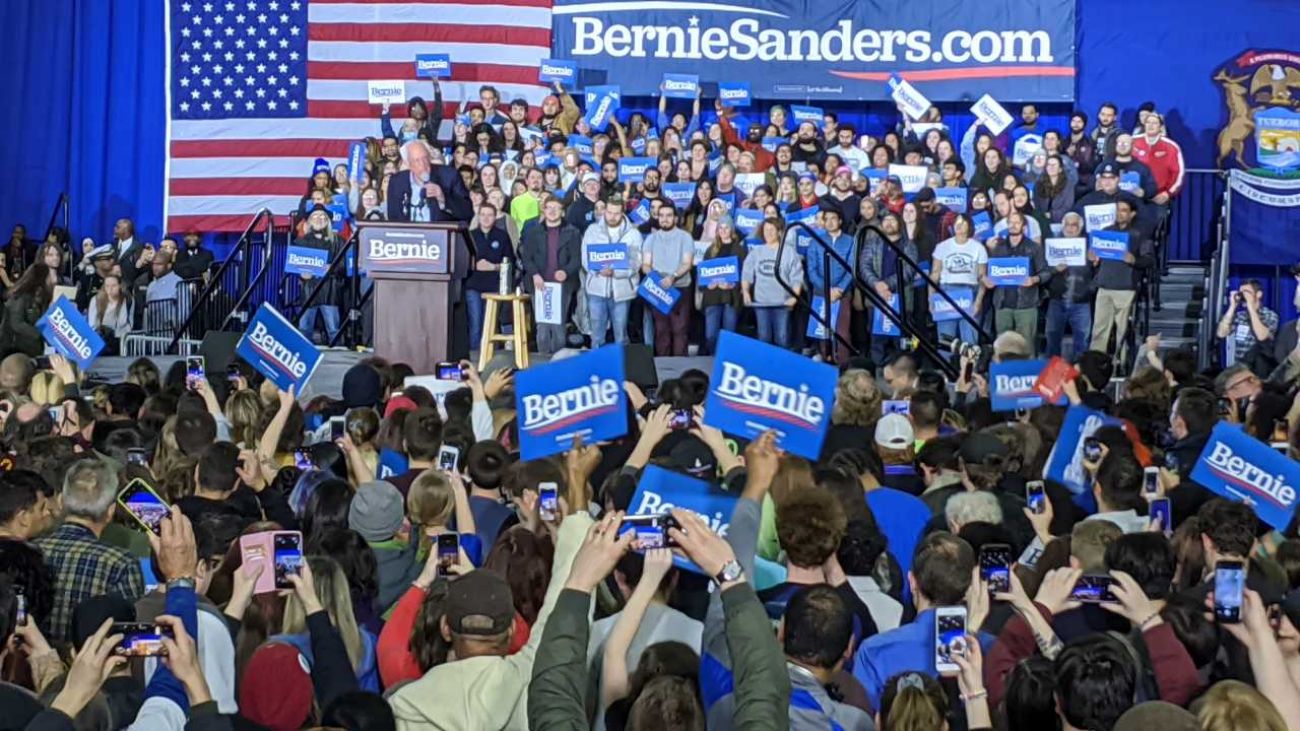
{"x":1243,"y":335}
{"x":84,"y":567}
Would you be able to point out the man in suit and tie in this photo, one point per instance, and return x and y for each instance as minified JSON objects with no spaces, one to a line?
{"x":425,"y":192}
{"x":131,"y":254}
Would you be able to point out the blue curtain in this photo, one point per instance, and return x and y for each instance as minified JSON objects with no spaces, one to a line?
{"x":82,"y":112}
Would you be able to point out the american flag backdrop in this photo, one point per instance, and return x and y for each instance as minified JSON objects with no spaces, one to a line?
{"x":258,"y":89}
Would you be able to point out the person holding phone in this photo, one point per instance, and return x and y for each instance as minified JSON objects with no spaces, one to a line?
{"x":435,"y":498}
{"x":82,"y":564}
{"x":322,"y":651}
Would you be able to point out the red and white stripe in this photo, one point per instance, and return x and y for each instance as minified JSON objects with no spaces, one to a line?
{"x":221,"y":172}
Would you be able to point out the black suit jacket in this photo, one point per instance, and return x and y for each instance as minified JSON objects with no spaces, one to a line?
{"x":458,"y":206}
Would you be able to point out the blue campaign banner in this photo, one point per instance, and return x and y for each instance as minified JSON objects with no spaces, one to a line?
{"x":756,"y":387}
{"x":273,"y":346}
{"x":641,"y":213}
{"x":954,"y":199}
{"x":1130,"y":181}
{"x":339,"y":213}
{"x":592,"y":93}
{"x":1111,"y":245}
{"x":554,"y":69}
{"x":722,"y":270}
{"x":1008,"y":271}
{"x":802,"y":114}
{"x":433,"y":66}
{"x":747,"y":220}
{"x":662,"y":298}
{"x":580,"y":396}
{"x":1242,"y":468}
{"x":681,"y":86}
{"x":70,"y":333}
{"x":816,"y":330}
{"x":803,"y":215}
{"x":679,"y":193}
{"x":829,"y":49}
{"x":1265,"y":217}
{"x":356,"y":160}
{"x":983,"y":225}
{"x":941,"y":311}
{"x":638,"y":145}
{"x":613,"y":256}
{"x":734,"y":93}
{"x":581,"y":143}
{"x":306,"y":260}
{"x":1065,"y":463}
{"x":771,"y":143}
{"x":661,"y":490}
{"x":598,"y":114}
{"x":632,"y":169}
{"x":883,"y":326}
{"x":1011,"y":384}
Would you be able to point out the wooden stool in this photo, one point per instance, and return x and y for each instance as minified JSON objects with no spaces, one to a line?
{"x":487,"y":347}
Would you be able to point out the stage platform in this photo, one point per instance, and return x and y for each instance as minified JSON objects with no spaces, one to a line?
{"x":328,"y":379}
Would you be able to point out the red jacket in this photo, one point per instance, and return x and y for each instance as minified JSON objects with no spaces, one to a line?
{"x":762,"y":158}
{"x":1175,"y":672}
{"x":1165,"y":158}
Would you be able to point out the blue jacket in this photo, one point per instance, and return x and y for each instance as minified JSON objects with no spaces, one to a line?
{"x":910,"y":647}
{"x":840,"y":277}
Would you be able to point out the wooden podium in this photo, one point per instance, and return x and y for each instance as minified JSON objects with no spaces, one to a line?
{"x":417,"y":270}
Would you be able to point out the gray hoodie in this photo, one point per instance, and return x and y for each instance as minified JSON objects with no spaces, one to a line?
{"x":622,"y":286}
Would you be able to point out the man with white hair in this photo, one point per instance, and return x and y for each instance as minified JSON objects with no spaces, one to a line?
{"x":1069,"y":297}
{"x":426,"y":192}
{"x":82,"y":564}
{"x":965,"y":508}
{"x":1011,"y":345}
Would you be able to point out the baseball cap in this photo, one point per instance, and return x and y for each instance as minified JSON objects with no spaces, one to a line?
{"x":479,"y":603}
{"x":694,"y":457}
{"x":979,"y":448}
{"x":894,"y":431}
{"x":844,"y":170}
{"x":894,"y":179}
{"x":807,"y":175}
{"x":590,"y":177}
{"x":376,"y":511}
{"x":1108,"y":168}
{"x":103,"y":251}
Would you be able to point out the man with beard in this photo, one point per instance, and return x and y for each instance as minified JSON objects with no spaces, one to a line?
{"x":669,"y":255}
{"x":1144,"y":186}
{"x":1081,"y":148}
{"x":841,"y":198}
{"x":752,"y":143}
{"x":1103,"y":135}
{"x":559,"y":112}
{"x":808,"y":147}
{"x":193,"y":260}
{"x":1016,"y":307}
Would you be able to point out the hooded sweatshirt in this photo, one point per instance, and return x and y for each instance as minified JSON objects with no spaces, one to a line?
{"x":487,"y":692}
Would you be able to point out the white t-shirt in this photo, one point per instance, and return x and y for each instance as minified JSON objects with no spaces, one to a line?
{"x":960,"y":261}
